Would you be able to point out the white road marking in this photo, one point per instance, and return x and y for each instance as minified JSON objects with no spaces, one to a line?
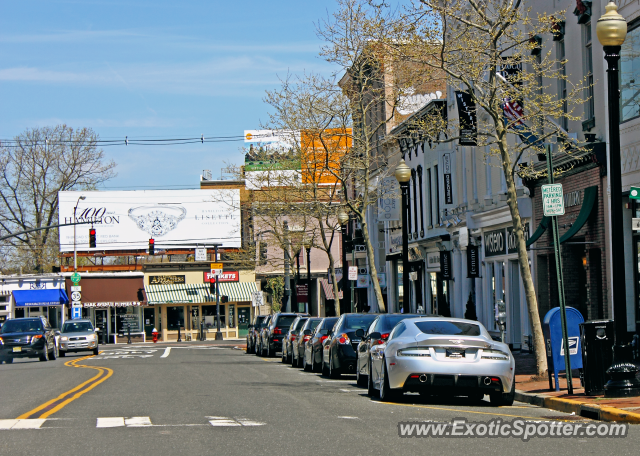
{"x":7,"y":424}
{"x":110,"y":422}
{"x":138,"y":421}
{"x":349,"y":417}
{"x":221,"y":421}
{"x":22,"y":424}
{"x":224,"y":423}
{"x":166,"y":352}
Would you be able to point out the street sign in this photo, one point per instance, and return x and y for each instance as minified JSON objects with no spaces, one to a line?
{"x":256,"y":299}
{"x":76,"y":288}
{"x":634,"y":193}
{"x":76,"y":312}
{"x":75,"y":278}
{"x":552,"y":200}
{"x":216,"y":269}
{"x":635,"y":224}
{"x":353,"y":272}
{"x":201,"y":254}
{"x":76,"y":296}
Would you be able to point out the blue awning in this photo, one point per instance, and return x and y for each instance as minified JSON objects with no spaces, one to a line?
{"x":37,"y":298}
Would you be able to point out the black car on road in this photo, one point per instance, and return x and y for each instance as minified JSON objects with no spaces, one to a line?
{"x":339,"y":352}
{"x":298,"y":346}
{"x":254,"y":330}
{"x":312,"y":358}
{"x":27,"y":338}
{"x":291,"y":337}
{"x":273,"y":334}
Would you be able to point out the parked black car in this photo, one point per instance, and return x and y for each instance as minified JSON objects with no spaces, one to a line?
{"x":339,"y":352}
{"x":312,"y":359}
{"x":257,"y":342}
{"x":254,"y":330}
{"x":291,"y":337}
{"x":298,"y":346}
{"x":383,"y":325}
{"x":272,"y":335}
{"x":27,"y":338}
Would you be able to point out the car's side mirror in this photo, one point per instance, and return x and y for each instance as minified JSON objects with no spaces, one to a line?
{"x":360,"y":332}
{"x":96,"y":329}
{"x":375,"y":335}
{"x":307,"y":332}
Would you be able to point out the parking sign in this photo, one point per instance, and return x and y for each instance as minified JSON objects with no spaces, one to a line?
{"x":552,"y":200}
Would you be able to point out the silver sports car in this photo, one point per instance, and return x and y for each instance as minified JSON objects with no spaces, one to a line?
{"x":442,"y":356}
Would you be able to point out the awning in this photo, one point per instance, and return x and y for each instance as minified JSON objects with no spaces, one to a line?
{"x":238,"y":291}
{"x":544,"y":224}
{"x":37,"y":298}
{"x":328,"y":290}
{"x":590,"y":196}
{"x":178,"y":294}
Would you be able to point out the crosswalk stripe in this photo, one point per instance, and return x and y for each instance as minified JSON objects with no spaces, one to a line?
{"x":110,"y":422}
{"x":138,"y":421}
{"x":22,"y":424}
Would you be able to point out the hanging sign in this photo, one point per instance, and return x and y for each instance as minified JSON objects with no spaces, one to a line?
{"x":473,"y":262}
{"x":445,"y":265}
{"x":302,"y":292}
{"x":467,"y":116}
{"x":448,"y":185}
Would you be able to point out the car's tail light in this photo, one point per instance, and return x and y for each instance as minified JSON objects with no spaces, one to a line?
{"x":414,"y":351}
{"x":344,"y":339}
{"x":383,"y":338}
{"x":306,"y":338}
{"x":277,"y":331}
{"x":323,"y":338}
{"x":293,"y":337}
{"x":494,"y":354}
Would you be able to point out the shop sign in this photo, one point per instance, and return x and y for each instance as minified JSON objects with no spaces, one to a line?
{"x":572,"y":199}
{"x":166,"y":280}
{"x":494,"y":243}
{"x":338,"y":275}
{"x":363,"y":281}
{"x":468,"y":121}
{"x":382,"y":279}
{"x":445,"y":265}
{"x":226,"y":276}
{"x":388,"y":201}
{"x":433,"y":260}
{"x":112,"y":304}
{"x":395,"y":243}
{"x":473,"y":261}
{"x":448,"y":186}
{"x":302,"y":292}
{"x":512,"y":246}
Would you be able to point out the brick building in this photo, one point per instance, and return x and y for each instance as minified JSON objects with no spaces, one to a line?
{"x":581,"y":231}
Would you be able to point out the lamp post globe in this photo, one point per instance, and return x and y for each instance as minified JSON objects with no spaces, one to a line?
{"x":403,"y":172}
{"x":343,"y":217}
{"x":612,"y":30}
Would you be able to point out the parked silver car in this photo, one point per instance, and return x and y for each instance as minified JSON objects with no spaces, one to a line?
{"x":78,"y":335}
{"x":442,"y":356}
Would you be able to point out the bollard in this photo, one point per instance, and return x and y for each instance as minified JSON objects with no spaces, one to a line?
{"x":202,"y":336}
{"x":129,"y":333}
{"x":179,"y":339}
{"x":104,"y":334}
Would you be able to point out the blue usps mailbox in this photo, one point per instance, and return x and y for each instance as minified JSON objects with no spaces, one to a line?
{"x":552,"y":331}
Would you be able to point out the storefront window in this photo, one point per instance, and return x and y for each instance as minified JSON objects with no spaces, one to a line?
{"x":630,"y":75}
{"x":209,"y":314}
{"x":434,"y":292}
{"x":128,"y":316}
{"x":232,"y":317}
{"x":175,"y":318}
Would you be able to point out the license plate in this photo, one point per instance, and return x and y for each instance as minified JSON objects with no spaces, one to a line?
{"x":454,"y":353}
{"x":17,"y":349}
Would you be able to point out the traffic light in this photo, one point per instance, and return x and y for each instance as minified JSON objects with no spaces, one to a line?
{"x":224,"y":299}
{"x":92,"y":238}
{"x":212,"y":288}
{"x":263,"y":253}
{"x":152,"y":245}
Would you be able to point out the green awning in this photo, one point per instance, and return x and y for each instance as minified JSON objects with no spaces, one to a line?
{"x":590,"y":196}
{"x":544,"y":224}
{"x":238,"y":291}
{"x":178,"y":294}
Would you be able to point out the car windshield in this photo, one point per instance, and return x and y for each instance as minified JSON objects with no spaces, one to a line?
{"x":260,"y":323}
{"x":18,"y":326}
{"x":300,"y":324}
{"x":77,"y":326}
{"x":313,"y":324}
{"x":328,"y":323}
{"x":285,"y":321}
{"x":359,"y":322}
{"x":448,"y":328}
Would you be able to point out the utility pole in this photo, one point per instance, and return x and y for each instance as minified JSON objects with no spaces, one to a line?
{"x":287,"y":279}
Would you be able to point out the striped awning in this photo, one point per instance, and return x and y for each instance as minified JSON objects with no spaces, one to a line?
{"x":328,"y":290}
{"x":238,"y":291}
{"x":178,"y":293}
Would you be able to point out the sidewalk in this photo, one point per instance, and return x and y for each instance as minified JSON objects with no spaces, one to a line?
{"x":536,"y":392}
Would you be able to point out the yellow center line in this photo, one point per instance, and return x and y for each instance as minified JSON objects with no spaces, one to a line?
{"x":78,"y":390}
{"x":469,"y":411}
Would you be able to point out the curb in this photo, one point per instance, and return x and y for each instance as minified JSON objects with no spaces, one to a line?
{"x":591,"y":411}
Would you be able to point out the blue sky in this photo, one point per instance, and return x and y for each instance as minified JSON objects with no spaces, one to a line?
{"x":159,"y":69}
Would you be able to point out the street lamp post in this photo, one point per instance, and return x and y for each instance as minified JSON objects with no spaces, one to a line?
{"x":403,"y":175}
{"x":308,"y":243}
{"x":343,"y":219}
{"x":287,"y":279}
{"x":612,"y":30}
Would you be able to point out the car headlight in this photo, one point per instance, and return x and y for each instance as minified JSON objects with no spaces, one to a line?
{"x":64,"y":338}
{"x":494,"y":354}
{"x":414,"y":352}
{"x":91,"y":337}
{"x":35,"y":338}
{"x":1,"y":341}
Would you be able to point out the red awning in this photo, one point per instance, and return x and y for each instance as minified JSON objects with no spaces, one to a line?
{"x":328,"y":290}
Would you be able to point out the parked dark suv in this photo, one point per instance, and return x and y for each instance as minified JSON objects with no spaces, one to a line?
{"x":272,"y":335}
{"x":254,"y":331}
{"x":27,"y":338}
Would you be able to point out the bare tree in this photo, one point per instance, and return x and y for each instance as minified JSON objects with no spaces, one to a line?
{"x":37,"y":165}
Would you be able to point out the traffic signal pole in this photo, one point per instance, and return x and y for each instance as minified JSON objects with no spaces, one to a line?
{"x":218,"y":333}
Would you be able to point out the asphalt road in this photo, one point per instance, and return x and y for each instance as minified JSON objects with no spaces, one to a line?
{"x":205,"y":399}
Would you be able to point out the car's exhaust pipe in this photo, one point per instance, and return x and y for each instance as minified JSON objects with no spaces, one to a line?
{"x":423,"y":378}
{"x":487,"y":381}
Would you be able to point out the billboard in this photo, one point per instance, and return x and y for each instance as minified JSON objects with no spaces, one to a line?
{"x":126,"y":220}
{"x":271,"y":159}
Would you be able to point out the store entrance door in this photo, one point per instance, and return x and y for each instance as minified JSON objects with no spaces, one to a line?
{"x":149,"y":321}
{"x":101,"y":324}
{"x":244,"y":314}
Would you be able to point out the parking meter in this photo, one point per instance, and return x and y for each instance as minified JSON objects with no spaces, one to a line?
{"x":501,"y":317}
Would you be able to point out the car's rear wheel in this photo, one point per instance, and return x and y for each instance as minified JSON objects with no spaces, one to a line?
{"x":45,"y":355}
{"x":314,"y":366}
{"x":332,"y":372}
{"x":386,"y":392}
{"x":370,"y":389}
{"x":504,"y":399}
{"x":360,"y":380}
{"x":52,"y":355}
{"x":257,"y":350}
{"x":96,"y":351}
{"x":325,"y":369}
{"x":8,"y":360}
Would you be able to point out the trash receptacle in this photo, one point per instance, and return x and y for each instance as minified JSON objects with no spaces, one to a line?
{"x":597,"y":354}
{"x":552,"y":331}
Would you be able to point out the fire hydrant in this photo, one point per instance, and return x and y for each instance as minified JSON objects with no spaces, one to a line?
{"x":154,"y":333}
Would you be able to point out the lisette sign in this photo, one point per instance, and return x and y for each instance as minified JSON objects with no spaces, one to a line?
{"x":226,"y":276}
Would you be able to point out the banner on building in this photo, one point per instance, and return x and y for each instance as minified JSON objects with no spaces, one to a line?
{"x":388,"y":200}
{"x":473,"y":262}
{"x":448,"y":184}
{"x":467,"y":118}
{"x":445,"y":265}
{"x":126,"y":220}
{"x":302,"y":292}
